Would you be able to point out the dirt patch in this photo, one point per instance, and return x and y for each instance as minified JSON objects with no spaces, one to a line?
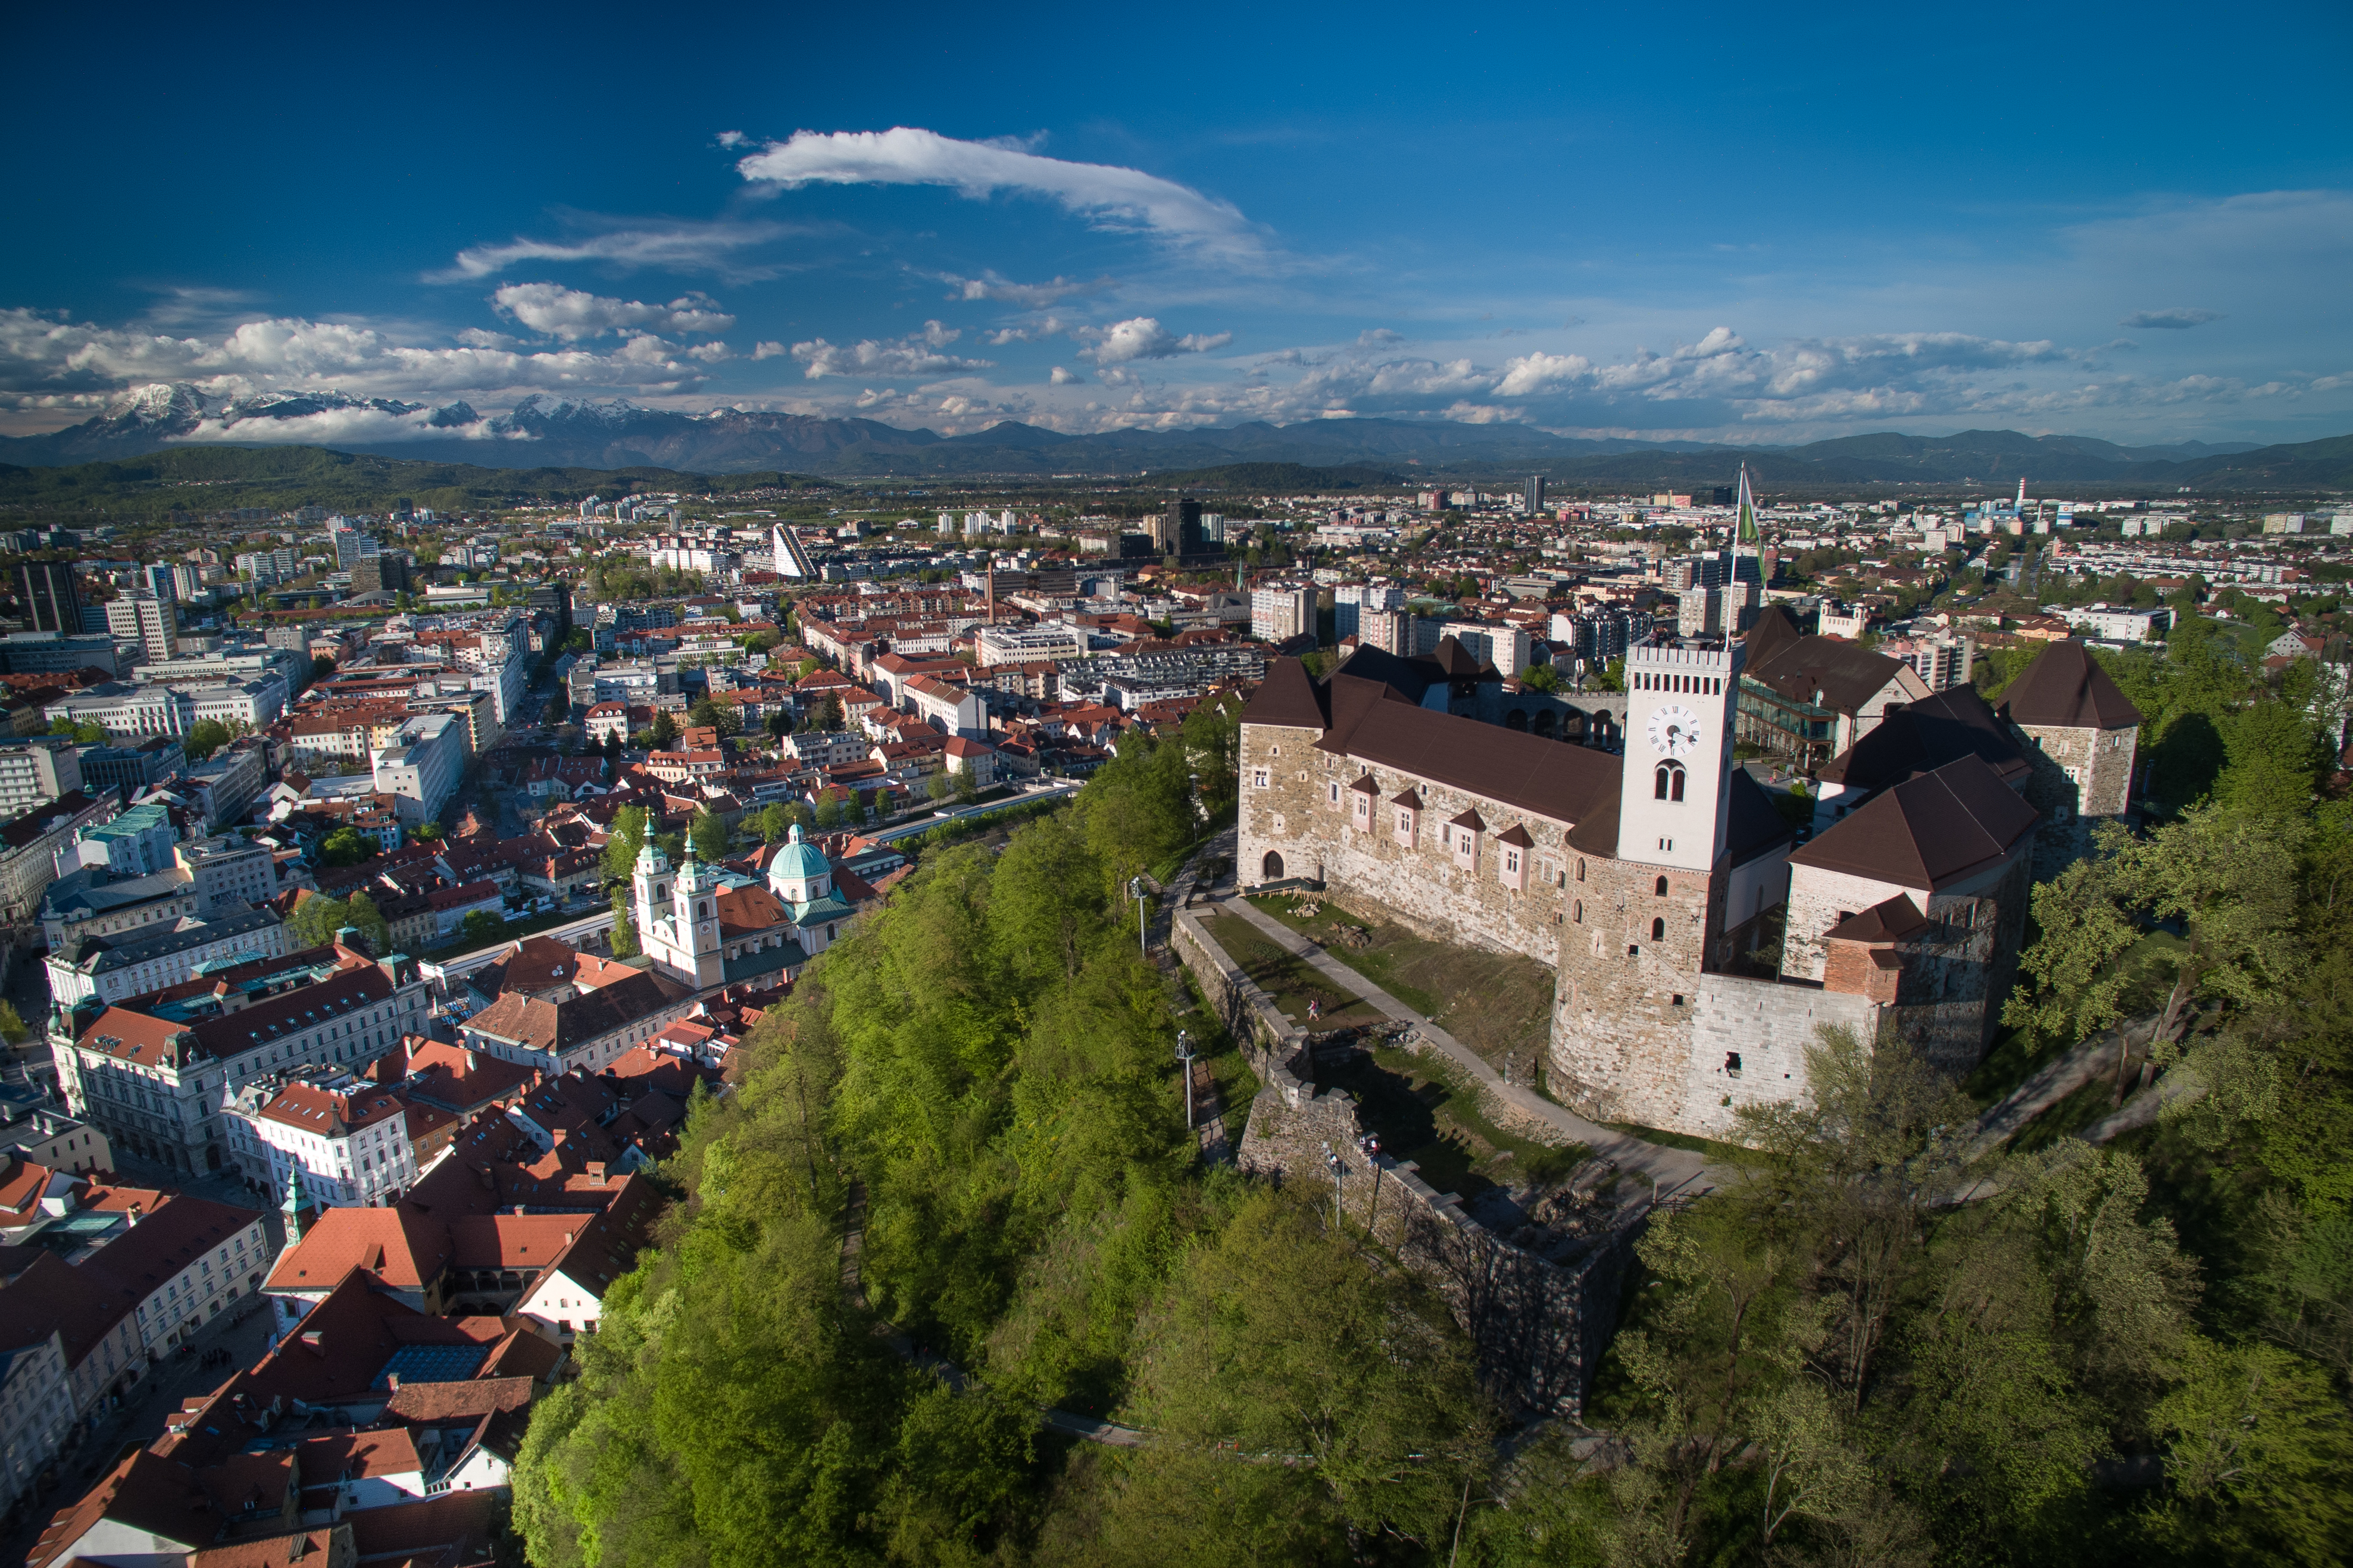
{"x":1499,"y":1004}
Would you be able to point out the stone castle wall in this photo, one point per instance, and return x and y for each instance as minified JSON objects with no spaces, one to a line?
{"x":1538,"y":1328}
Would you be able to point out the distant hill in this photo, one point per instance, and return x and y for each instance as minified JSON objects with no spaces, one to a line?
{"x":555,"y":436}
{"x":1260,"y":478}
{"x":214,"y":478}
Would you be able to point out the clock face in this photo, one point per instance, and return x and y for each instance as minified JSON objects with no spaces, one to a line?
{"x":1674,"y":731}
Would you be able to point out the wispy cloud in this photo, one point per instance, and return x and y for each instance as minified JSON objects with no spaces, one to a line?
{"x":553,"y":311}
{"x":678,"y":248}
{"x":918,"y":353}
{"x":1031,"y":296}
{"x":1106,"y":195}
{"x":2175,"y":319}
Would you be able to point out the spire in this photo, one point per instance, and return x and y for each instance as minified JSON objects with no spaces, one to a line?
{"x":296,"y":1202}
{"x":1743,"y":531}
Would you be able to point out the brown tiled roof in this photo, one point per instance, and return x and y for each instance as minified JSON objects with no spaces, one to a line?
{"x":1562,"y":783}
{"x":1470,"y":819}
{"x":1289,"y":697}
{"x":1407,"y":798}
{"x":1921,"y":737}
{"x":454,"y":1529}
{"x":2066,"y":688}
{"x":1927,"y":832}
{"x":1887,"y":920}
{"x":1516,"y":837}
{"x":1845,"y":675}
{"x":427,"y":1403}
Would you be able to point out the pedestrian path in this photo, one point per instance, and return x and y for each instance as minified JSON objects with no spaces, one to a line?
{"x":1674,"y":1170}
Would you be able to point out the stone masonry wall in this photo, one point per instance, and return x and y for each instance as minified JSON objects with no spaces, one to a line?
{"x":1622,"y":1002}
{"x":1538,"y":1329}
{"x":2101,"y":763}
{"x":1767,"y":1023}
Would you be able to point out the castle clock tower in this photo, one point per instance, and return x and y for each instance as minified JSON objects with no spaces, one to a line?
{"x":1674,"y":795}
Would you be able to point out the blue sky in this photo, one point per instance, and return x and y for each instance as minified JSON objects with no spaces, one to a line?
{"x":2129,"y":222}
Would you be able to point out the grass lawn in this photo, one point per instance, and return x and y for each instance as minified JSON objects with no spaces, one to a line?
{"x":1423,"y":1111}
{"x":1289,"y":981}
{"x":1728,"y":1153}
{"x":1500,"y":1004}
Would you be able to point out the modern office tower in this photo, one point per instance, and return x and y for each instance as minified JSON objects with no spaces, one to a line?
{"x":1535,"y":496}
{"x":52,"y":595}
{"x":152,"y":622}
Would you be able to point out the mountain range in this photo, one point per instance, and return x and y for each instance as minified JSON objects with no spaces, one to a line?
{"x":543,"y":432}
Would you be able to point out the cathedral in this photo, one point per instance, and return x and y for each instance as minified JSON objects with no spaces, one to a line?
{"x":707,"y":925}
{"x":1696,"y":942}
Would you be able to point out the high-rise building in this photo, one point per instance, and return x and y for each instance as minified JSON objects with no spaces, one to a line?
{"x":52,"y":595}
{"x":152,"y":622}
{"x":1534,"y":496}
{"x":187,"y":582}
{"x":156,"y":578}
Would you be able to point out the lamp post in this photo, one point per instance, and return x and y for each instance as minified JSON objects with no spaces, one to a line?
{"x":1142,"y":938}
{"x":1185,"y":1056}
{"x":1339,"y":1186}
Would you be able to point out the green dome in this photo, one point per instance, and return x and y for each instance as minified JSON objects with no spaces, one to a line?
{"x":797,"y":862}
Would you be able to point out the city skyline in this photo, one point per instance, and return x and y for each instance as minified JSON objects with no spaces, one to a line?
{"x":1701,"y":228}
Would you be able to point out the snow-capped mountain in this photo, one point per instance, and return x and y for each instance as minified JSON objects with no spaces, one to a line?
{"x":151,"y":418}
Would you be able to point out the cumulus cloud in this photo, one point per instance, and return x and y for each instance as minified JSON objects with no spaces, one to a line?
{"x":1107,"y":195}
{"x":767,"y":351}
{"x":1036,"y":332}
{"x":2176,"y":320}
{"x":1061,"y":377}
{"x":918,"y":353}
{"x":45,"y":355}
{"x":1031,"y":296}
{"x":553,"y":311}
{"x":1142,"y":337}
{"x":679,"y":247}
{"x":731,"y":139}
{"x":1378,"y":338}
{"x":1532,"y":373}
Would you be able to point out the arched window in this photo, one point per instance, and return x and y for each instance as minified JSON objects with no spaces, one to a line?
{"x":705,"y":912}
{"x":1659,"y":781}
{"x":1580,"y":911}
{"x":1660,"y":890}
{"x":1676,"y":789}
{"x":1667,"y":783}
{"x":1580,"y":869}
{"x":1517,"y":719}
{"x":1658,"y":930}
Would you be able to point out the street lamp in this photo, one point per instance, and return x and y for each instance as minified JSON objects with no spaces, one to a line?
{"x":1185,"y":1056}
{"x":1143,"y":939}
{"x":1339,"y":1186}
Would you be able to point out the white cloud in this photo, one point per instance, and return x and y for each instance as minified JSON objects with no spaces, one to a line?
{"x":1532,"y":373}
{"x":1107,"y":195}
{"x":769,"y":350}
{"x":1061,"y":377}
{"x":731,"y":139}
{"x":1141,"y":337}
{"x":677,"y":249}
{"x":1378,"y":338}
{"x":556,"y":311}
{"x":918,"y":353}
{"x":2176,"y":319}
{"x":43,"y":355}
{"x":336,"y":428}
{"x":1031,"y":296}
{"x":1037,"y":331}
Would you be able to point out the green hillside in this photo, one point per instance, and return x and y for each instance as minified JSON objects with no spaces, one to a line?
{"x":216,"y":479}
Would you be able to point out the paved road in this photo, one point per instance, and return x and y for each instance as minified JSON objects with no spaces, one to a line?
{"x":1674,"y":1170}
{"x":1029,"y":797}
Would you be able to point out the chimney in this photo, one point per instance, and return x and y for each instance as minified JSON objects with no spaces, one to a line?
{"x":392,"y":1381}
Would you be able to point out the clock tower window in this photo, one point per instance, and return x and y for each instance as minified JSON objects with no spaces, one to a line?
{"x":1669,"y":783}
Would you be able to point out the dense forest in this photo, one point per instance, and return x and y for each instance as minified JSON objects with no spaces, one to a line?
{"x":1874,"y":1342}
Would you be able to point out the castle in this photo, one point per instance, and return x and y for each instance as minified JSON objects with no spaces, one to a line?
{"x":1696,"y":943}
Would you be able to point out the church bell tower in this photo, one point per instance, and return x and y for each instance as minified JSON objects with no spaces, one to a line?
{"x":1674,"y":795}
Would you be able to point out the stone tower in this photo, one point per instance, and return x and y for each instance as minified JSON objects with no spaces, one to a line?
{"x":1674,"y":795}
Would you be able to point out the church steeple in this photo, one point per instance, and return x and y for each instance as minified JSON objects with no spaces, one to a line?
{"x":297,"y":1200}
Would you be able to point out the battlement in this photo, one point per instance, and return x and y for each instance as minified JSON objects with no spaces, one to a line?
{"x":1696,"y":656}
